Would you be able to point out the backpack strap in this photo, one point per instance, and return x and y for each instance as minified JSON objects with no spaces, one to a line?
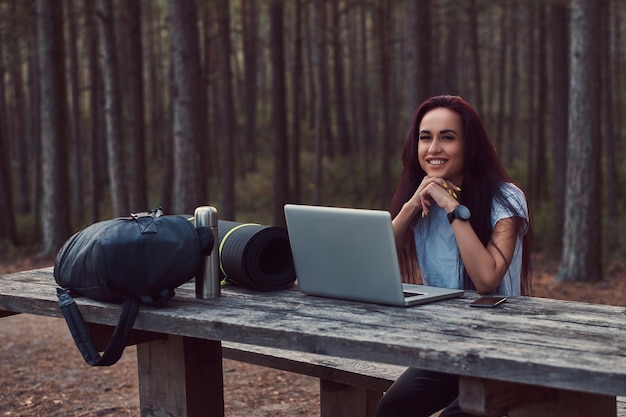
{"x":82,"y":338}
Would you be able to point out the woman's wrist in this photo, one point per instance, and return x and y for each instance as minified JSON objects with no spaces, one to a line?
{"x":411,"y":208}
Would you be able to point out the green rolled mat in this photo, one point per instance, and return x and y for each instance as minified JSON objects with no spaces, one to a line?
{"x":255,"y":256}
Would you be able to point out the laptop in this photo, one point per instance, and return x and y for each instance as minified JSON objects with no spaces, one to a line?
{"x":351,"y":254}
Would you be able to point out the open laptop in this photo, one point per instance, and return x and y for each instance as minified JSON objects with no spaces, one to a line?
{"x":351,"y":254}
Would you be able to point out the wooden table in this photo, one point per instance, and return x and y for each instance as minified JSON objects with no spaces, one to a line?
{"x":530,"y":356}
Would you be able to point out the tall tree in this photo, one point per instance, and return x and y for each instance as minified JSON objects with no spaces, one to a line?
{"x":343,"y":130}
{"x":297,"y":100}
{"x":137,"y":182}
{"x":226,"y":112}
{"x":321,"y":100}
{"x":538,"y":189}
{"x":513,"y":89}
{"x":559,"y":68}
{"x":8,"y":232}
{"x":365,"y":113}
{"x":249,"y":25}
{"x":581,"y":259}
{"x":54,"y":210}
{"x":76,"y":137}
{"x":18,"y":116}
{"x":96,"y":108}
{"x":384,"y":29}
{"x":189,"y":105}
{"x":418,"y":54}
{"x":475,"y":48}
{"x":323,"y":105}
{"x":279,"y":110}
{"x":113,"y":109}
{"x":608,"y":125}
{"x":501,"y":88}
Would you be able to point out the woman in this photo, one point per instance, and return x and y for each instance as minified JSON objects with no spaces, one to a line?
{"x":461,"y":220}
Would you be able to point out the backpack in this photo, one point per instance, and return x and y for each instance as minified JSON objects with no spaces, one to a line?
{"x":132,"y":260}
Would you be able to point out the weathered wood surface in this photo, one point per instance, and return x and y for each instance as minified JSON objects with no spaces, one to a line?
{"x":549,"y":343}
{"x":369,"y":375}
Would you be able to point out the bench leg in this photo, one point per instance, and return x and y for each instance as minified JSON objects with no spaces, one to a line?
{"x":486,"y":397}
{"x":572,"y":404}
{"x":181,"y":376}
{"x":341,"y":400}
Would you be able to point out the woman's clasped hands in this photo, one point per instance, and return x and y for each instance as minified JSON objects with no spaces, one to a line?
{"x":438,"y":190}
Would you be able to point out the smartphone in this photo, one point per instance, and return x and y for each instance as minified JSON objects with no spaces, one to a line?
{"x":490,"y":301}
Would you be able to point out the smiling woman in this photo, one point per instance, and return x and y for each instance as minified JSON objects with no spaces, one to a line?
{"x":440,"y":146}
{"x":462,"y":222}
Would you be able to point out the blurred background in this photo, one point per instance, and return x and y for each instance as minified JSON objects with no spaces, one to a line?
{"x":115,"y":106}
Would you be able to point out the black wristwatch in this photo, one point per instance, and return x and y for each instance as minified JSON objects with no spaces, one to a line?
{"x":460,"y":212}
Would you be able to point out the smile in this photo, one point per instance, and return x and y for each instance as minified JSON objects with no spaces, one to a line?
{"x":437,"y":161}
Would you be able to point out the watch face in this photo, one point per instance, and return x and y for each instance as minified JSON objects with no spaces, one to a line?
{"x":463,"y":212}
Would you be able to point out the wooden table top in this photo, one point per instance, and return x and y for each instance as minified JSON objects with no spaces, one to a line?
{"x":551,"y":343}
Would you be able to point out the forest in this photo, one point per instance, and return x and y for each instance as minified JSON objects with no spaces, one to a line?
{"x":109,"y":107}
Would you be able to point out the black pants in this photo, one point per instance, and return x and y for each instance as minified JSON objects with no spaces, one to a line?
{"x":419,"y":393}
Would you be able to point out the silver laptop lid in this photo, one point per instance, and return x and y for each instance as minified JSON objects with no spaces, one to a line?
{"x":350,"y":254}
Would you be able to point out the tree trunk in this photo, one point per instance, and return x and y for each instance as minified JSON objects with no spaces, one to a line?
{"x":96,"y":107}
{"x":511,"y":116}
{"x":18,"y":118}
{"x":189,"y":105}
{"x":559,"y":41}
{"x":8,"y":232}
{"x":113,"y":110}
{"x":318,"y":55}
{"x":608,"y":122}
{"x":226,"y":113}
{"x":296,"y":106}
{"x":137,"y":182}
{"x":501,"y":88}
{"x":384,"y":45}
{"x":542,"y":107}
{"x":581,"y":259}
{"x":249,"y":22}
{"x":76,"y":136}
{"x":279,"y":111}
{"x":327,"y":139}
{"x":367,"y":128}
{"x":54,"y":210}
{"x":476,"y":64}
{"x":343,"y":130}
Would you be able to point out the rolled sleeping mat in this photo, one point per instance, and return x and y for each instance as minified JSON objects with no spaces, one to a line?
{"x":255,"y":256}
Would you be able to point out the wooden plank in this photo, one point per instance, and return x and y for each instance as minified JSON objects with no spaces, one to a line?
{"x":181,"y":376}
{"x":370,"y":375}
{"x":101,"y":335}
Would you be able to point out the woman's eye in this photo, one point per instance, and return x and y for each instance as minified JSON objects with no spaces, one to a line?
{"x":424,"y":137}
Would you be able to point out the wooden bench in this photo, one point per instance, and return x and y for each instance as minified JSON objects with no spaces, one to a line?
{"x":342,"y":381}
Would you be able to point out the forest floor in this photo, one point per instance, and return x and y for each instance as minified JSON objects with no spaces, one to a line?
{"x":45,"y":376}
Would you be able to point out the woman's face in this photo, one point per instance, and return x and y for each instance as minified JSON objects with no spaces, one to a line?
{"x":440,"y":147}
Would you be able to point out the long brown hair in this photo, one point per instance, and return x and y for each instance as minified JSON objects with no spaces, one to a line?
{"x":482,"y":176}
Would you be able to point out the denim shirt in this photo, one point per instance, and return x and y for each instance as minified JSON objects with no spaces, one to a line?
{"x":438,"y":254}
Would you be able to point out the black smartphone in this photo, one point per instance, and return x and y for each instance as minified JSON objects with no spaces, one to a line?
{"x":488,"y":302}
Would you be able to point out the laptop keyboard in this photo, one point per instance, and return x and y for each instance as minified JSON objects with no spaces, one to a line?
{"x":412,"y":294}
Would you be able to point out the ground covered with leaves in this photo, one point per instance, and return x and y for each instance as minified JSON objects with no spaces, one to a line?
{"x":42,"y":374}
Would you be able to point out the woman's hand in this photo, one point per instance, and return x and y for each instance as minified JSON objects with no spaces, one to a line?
{"x":431,"y":189}
{"x":438,"y":190}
